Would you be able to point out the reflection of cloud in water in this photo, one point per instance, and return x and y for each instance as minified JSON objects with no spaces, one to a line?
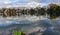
{"x":18,"y":20}
{"x":42,"y":26}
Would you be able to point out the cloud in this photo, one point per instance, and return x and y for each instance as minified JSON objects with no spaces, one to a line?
{"x":9,"y":3}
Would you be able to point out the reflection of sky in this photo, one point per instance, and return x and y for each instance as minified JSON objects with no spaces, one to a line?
{"x":6,"y":24}
{"x":21,"y":20}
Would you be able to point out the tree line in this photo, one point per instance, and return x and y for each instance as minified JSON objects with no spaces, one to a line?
{"x":53,"y":10}
{"x":17,"y":12}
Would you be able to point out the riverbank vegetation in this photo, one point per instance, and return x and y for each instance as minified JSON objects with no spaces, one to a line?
{"x":52,"y":10}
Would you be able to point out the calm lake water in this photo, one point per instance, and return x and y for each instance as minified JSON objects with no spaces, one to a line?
{"x":30,"y":25}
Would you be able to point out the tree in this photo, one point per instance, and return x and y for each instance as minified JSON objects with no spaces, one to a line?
{"x":12,"y":12}
{"x":32,"y":11}
{"x":53,"y":11}
{"x":41,"y":11}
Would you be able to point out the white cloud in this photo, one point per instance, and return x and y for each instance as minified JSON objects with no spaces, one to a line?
{"x":9,"y":3}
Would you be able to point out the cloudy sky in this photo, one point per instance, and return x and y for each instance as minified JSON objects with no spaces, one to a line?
{"x":23,"y":1}
{"x":8,"y":3}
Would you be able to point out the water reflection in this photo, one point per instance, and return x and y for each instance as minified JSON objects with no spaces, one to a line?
{"x":43,"y":26}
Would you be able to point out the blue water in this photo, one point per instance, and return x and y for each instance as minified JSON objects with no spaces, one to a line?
{"x":14,"y":21}
{"x":7,"y":24}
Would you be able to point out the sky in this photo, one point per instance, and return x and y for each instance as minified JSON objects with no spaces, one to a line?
{"x":22,"y":1}
{"x":8,"y":3}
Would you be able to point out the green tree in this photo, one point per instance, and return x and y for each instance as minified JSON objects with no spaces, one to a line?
{"x":32,"y":11}
{"x":53,"y":11}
